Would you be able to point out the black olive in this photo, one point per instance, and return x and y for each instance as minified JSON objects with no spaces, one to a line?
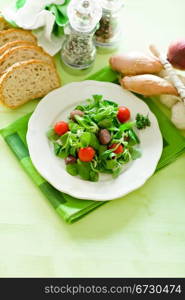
{"x":70,"y":160}
{"x":104,"y":136}
{"x":76,"y":113}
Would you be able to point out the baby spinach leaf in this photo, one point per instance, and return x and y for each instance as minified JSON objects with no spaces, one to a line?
{"x":97,"y":99}
{"x":127,"y":156}
{"x":52,"y":136}
{"x":94,"y":142}
{"x":93,"y":176}
{"x":87,"y":123}
{"x":105,"y":123}
{"x":126,"y":126}
{"x":133,"y":137}
{"x":72,"y":169}
{"x":80,"y":107}
{"x":57,"y":148}
{"x":108,"y":154}
{"x":72,"y":151}
{"x":102,"y":149}
{"x":117,"y":171}
{"x":63,"y":153}
{"x":105,"y":112}
{"x":108,"y":102}
{"x":83,"y":169}
{"x":85,"y":139}
{"x":64,"y":138}
{"x":73,"y":126}
{"x":135,"y":154}
{"x":111,"y":164}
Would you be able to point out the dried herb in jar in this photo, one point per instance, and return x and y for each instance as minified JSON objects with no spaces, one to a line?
{"x":108,"y":32}
{"x":106,"y":29}
{"x":79,"y":50}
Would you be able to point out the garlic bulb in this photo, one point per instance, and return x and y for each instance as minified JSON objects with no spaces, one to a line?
{"x":178,"y":115}
{"x":170,"y":100}
{"x":182,"y":78}
{"x":168,"y":78}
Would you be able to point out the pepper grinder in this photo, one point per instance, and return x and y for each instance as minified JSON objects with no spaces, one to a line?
{"x":79,"y":50}
{"x":108,"y":34}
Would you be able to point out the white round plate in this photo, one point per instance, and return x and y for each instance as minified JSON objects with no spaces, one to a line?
{"x":57,"y":106}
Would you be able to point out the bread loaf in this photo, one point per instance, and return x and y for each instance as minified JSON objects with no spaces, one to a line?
{"x":148,"y":85}
{"x":4,"y":24}
{"x":15,"y":34}
{"x":13,"y":44}
{"x":134,"y":63}
{"x":22,"y":53}
{"x":27,"y":80}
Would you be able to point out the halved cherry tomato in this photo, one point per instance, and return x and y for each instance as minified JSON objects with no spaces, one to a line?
{"x":123,"y":114}
{"x":118,"y":150}
{"x":61,"y":127}
{"x":86,"y":154}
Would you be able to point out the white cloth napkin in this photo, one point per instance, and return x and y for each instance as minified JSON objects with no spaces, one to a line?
{"x":33,"y":16}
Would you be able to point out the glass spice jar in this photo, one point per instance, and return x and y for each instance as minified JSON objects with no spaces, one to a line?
{"x":79,"y":50}
{"x":107,"y":35}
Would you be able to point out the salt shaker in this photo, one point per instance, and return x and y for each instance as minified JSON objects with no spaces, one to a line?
{"x":108,"y":34}
{"x":79,"y":49}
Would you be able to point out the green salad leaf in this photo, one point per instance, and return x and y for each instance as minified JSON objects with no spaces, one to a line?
{"x":72,"y":169}
{"x":84,"y":134}
{"x":84,"y":169}
{"x":85,"y":139}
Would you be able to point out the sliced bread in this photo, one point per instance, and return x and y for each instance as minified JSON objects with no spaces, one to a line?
{"x":27,"y":80}
{"x":14,"y":44}
{"x":22,"y":53}
{"x":4,"y":24}
{"x":15,"y":34}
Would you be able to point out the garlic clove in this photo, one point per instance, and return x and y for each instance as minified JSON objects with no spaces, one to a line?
{"x":182,"y":78}
{"x":164,"y":74}
{"x":178,"y":115}
{"x":169,"y":100}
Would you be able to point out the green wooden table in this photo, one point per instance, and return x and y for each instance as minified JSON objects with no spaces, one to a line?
{"x":141,"y":235}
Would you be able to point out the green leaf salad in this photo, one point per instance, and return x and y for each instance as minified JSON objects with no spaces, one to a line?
{"x":98,"y":137}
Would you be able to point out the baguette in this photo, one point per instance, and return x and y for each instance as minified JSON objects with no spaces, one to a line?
{"x":148,"y":85}
{"x":15,"y":34}
{"x":27,"y":80}
{"x":135,"y":63}
{"x":13,"y":44}
{"x":22,"y":53}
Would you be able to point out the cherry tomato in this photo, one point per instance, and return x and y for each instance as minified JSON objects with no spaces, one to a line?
{"x":61,"y":127}
{"x":123,"y":114}
{"x":86,"y":154}
{"x":118,"y":150}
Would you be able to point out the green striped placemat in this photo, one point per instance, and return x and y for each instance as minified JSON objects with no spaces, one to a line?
{"x":69,"y":208}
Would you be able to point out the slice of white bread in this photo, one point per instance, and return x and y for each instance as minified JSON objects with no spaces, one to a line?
{"x":22,"y":53}
{"x":27,"y":80}
{"x":14,"y":44}
{"x":4,"y":24}
{"x":15,"y":34}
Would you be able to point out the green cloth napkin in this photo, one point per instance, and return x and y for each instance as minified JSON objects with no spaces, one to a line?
{"x":69,"y":208}
{"x":58,"y":10}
